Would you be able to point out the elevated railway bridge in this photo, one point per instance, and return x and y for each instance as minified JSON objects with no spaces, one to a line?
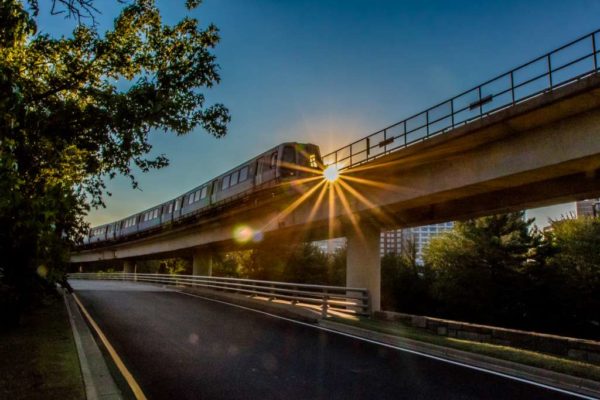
{"x":527,"y":138}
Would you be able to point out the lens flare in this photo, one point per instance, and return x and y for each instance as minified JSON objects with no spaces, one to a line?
{"x":243,"y":233}
{"x":42,"y":271}
{"x":331,"y":173}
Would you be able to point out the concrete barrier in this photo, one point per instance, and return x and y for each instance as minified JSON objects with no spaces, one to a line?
{"x":576,"y":349}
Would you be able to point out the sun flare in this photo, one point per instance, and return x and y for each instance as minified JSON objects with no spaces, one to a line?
{"x":331,"y":173}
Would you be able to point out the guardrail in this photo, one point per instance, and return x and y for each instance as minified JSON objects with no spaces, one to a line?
{"x":567,"y":64}
{"x":327,"y":299}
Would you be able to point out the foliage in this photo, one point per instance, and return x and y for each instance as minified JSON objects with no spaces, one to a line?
{"x":165,"y":266}
{"x":337,"y":267}
{"x":77,"y":109}
{"x":477,"y":268}
{"x":576,"y":272}
{"x":498,"y":270}
{"x":273,"y":260}
{"x":404,"y":286}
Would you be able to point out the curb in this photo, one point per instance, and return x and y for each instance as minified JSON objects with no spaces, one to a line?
{"x":98,"y":382}
{"x":558,"y":380}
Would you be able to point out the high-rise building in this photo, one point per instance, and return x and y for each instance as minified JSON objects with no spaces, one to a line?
{"x":332,"y":245}
{"x":588,"y":208}
{"x":400,"y":241}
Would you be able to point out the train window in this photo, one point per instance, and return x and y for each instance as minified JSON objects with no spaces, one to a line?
{"x":204,"y":192}
{"x":156,"y":213}
{"x":190,"y":198}
{"x":170,"y":208}
{"x":289,"y":155}
{"x":177,"y":204}
{"x":243,"y":174}
{"x":273,"y":160}
{"x":225,"y":182}
{"x":197,"y":195}
{"x":234,"y":178}
{"x":258,"y":169}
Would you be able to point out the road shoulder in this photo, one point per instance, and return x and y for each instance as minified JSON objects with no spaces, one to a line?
{"x":569,"y":383}
{"x":98,"y":381}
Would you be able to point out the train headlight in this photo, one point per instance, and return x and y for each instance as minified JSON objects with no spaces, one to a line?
{"x":331,"y":173}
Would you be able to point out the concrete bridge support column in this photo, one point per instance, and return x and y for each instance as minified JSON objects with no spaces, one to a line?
{"x":202,"y":263}
{"x":363,"y":261}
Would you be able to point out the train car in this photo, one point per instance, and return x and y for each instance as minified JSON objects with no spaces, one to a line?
{"x":97,"y":234}
{"x":285,"y":162}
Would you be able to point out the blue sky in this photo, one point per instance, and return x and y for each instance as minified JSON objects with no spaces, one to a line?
{"x":329,"y":72}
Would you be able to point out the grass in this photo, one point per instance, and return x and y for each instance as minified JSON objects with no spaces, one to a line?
{"x":38,"y":359}
{"x":527,"y":357}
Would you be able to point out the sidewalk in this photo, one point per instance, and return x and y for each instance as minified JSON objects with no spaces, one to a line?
{"x":99,"y":384}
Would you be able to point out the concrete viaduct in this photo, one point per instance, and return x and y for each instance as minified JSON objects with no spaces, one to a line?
{"x":542,"y":151}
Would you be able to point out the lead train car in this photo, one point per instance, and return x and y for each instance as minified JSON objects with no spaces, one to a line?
{"x":268,"y":169}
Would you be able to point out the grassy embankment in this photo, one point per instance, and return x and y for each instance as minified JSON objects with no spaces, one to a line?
{"x":527,"y":357}
{"x":38,"y":360}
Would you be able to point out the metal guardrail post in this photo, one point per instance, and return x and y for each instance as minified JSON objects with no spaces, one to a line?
{"x":325,"y":306}
{"x":594,"y":51}
{"x":549,"y":71}
{"x":512,"y":86}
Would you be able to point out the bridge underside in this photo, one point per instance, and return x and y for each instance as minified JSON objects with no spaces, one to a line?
{"x":543,"y":151}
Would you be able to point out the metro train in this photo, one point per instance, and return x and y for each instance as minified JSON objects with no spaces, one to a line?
{"x":266,"y":170}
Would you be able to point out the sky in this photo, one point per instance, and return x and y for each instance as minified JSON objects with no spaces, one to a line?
{"x":330,"y":72}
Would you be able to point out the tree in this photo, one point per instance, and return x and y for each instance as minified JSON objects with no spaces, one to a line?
{"x":67,"y":123}
{"x":306,"y":264}
{"x":575,"y":266}
{"x":404,"y":284}
{"x":479,"y":267}
{"x":337,"y":267}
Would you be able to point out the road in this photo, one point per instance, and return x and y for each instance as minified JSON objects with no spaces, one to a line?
{"x":182,"y":347}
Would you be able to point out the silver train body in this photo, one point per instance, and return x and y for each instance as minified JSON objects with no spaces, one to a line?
{"x":266,"y":170}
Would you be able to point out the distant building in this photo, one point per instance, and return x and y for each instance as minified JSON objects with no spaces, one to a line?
{"x":400,"y":241}
{"x":332,"y":245}
{"x":588,"y":208}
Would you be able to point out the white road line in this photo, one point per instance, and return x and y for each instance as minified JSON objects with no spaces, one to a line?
{"x":515,"y":378}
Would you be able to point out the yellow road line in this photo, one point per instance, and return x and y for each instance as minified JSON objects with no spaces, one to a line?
{"x":137,"y":391}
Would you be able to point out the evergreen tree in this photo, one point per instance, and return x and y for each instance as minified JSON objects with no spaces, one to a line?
{"x":479,"y":268}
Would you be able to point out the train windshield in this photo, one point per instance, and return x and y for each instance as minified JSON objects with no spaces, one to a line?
{"x":309,"y":156}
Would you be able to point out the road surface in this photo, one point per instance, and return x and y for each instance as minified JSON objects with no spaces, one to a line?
{"x":182,"y":347}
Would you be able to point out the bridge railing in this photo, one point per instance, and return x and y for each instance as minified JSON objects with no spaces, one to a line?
{"x":562,"y":66}
{"x":328,"y":300}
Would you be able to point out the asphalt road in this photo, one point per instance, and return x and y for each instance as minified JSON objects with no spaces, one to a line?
{"x":182,"y":347}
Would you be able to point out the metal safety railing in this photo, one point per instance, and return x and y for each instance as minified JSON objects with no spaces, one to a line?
{"x":328,"y":300}
{"x":569,"y":63}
